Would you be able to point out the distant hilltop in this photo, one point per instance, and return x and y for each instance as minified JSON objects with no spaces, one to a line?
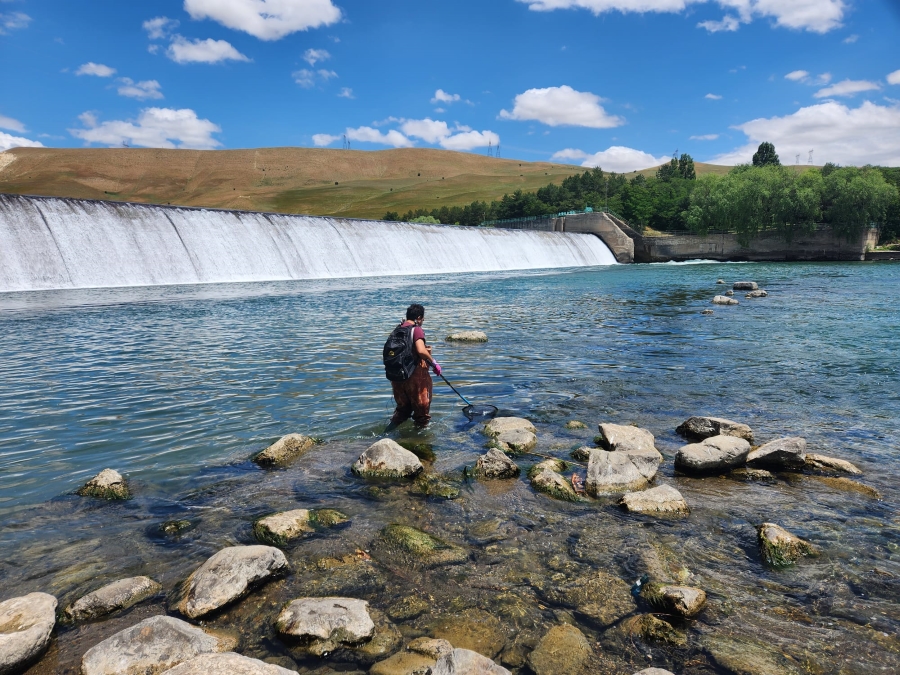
{"x":348,"y":183}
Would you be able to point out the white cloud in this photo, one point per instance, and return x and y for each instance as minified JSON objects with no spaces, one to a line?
{"x":615,"y":158}
{"x":705,"y":137}
{"x":562,"y":106}
{"x":307,"y":78}
{"x":140,"y":90}
{"x":869,"y":134}
{"x":13,"y":21}
{"x":321,"y":140}
{"x":95,"y":69}
{"x":266,"y":19}
{"x":327,"y":74}
{"x":469,"y":140}
{"x":313,"y":56}
{"x":797,"y":75}
{"x":438,"y":132}
{"x":369,"y":135}
{"x":441,"y":96}
{"x":160,"y":27}
{"x":154,"y":128}
{"x":7,"y":141}
{"x":847,"y":88}
{"x":713,"y":97}
{"x":11,"y":124}
{"x":183,"y":50}
{"x":824,"y":78}
{"x":430,"y":131}
{"x":850,"y":39}
{"x":346,"y":92}
{"x":894,"y":78}
{"x":818,"y":16}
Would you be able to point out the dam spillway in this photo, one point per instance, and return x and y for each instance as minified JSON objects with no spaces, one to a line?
{"x":55,"y":243}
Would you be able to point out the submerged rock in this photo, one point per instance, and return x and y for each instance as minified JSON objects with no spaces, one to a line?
{"x":433,"y":648}
{"x":227,"y":576}
{"x":284,"y":450}
{"x":465,"y":662}
{"x":752,"y":475}
{"x":473,"y":629}
{"x":783,"y":453}
{"x":653,"y":629}
{"x":326,"y":624}
{"x":712,"y":454}
{"x":757,"y":294}
{"x":562,"y":651}
{"x":704,"y":427}
{"x":498,"y":425}
{"x":26,"y":624}
{"x":841,"y":483}
{"x":745,"y":286}
{"x":227,"y":663}
{"x":152,"y":646}
{"x":575,"y":424}
{"x":724,"y":300}
{"x":515,"y":441}
{"x":403,"y":663}
{"x":781,"y":548}
{"x":435,"y":486}
{"x":407,"y":608}
{"x":420,"y":546}
{"x":467,"y":336}
{"x":108,"y":484}
{"x":830,"y":464}
{"x":614,"y":472}
{"x":745,"y":656}
{"x":683,"y":601}
{"x":544,"y":478}
{"x":707,"y":311}
{"x":661,"y":499}
{"x":495,"y":464}
{"x":171,"y":528}
{"x":582,"y":454}
{"x":280,"y":529}
{"x":117,"y":595}
{"x":387,"y":459}
{"x":597,"y":596}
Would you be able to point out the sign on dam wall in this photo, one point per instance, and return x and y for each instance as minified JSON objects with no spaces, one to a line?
{"x":54,"y":243}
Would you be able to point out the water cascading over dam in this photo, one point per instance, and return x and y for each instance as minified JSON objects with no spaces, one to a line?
{"x":53,"y":243}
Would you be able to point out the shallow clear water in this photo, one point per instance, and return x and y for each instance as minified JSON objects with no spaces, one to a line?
{"x":176,"y":387}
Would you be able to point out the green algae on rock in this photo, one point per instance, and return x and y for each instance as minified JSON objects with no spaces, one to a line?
{"x":683,"y":601}
{"x":108,"y":484}
{"x":430,"y":485}
{"x":653,"y":629}
{"x":284,"y":450}
{"x":562,"y":651}
{"x":598,"y":596}
{"x":409,"y":542}
{"x":545,"y":478}
{"x":779,"y":547}
{"x":279,"y":529}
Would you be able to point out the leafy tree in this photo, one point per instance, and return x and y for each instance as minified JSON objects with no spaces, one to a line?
{"x":890,"y":229}
{"x":637,"y":202}
{"x":765,"y":155}
{"x":686,"y":167}
{"x":856,"y":199}
{"x":391,"y":215}
{"x":425,"y":219}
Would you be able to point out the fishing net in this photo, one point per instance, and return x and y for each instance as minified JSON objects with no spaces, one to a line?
{"x":474,"y":411}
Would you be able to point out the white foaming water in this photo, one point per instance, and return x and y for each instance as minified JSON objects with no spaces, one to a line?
{"x":50,"y":243}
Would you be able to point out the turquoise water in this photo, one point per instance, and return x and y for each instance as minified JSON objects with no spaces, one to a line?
{"x":176,"y":387}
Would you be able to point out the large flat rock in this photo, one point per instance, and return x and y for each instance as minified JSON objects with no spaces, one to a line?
{"x":334,"y":621}
{"x":119,"y":594}
{"x":26,"y":624}
{"x":663,"y":499}
{"x":495,"y":464}
{"x":466,"y":662}
{"x":783,"y":453}
{"x":227,"y":576}
{"x":704,"y":427}
{"x":285,"y":450}
{"x":562,"y":651}
{"x":613,"y":472}
{"x":622,"y":437}
{"x":712,"y":454}
{"x":498,"y":425}
{"x":387,"y":459}
{"x":108,"y":484}
{"x":227,"y":663}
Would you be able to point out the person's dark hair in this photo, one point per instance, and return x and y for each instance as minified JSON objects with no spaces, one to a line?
{"x":414,"y":312}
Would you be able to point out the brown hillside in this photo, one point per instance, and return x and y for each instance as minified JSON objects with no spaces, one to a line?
{"x":352,"y":183}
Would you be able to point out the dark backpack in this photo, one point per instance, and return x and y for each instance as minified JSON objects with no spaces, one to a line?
{"x":399,"y":354}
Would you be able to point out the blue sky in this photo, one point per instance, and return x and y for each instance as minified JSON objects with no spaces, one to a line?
{"x":617,"y":83}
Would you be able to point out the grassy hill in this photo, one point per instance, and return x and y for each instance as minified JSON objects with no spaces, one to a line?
{"x":351,"y":183}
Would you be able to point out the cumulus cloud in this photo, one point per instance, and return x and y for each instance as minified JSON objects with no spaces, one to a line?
{"x":307,"y":78}
{"x":806,"y":78}
{"x":313,"y":56}
{"x":154,"y":128}
{"x":441,"y":96}
{"x":95,"y":69}
{"x":894,"y":78}
{"x":430,"y":131}
{"x":437,"y":132}
{"x":615,"y":158}
{"x":369,"y":135}
{"x":266,"y":19}
{"x":346,"y":92}
{"x":469,"y":140}
{"x":13,"y":21}
{"x":139,"y":90}
{"x":818,"y":16}
{"x":713,"y":97}
{"x":562,"y":106}
{"x":797,"y":75}
{"x":11,"y":124}
{"x":869,"y":134}
{"x":160,"y":27}
{"x":321,"y":140}
{"x":182,"y":50}
{"x":847,"y":88}
{"x":8,"y":141}
{"x":705,"y":137}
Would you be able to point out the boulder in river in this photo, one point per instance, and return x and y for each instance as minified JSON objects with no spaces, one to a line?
{"x":842,"y":483}
{"x":152,"y":646}
{"x":575,"y":424}
{"x":745,"y":286}
{"x":712,"y":454}
{"x":683,"y":601}
{"x":466,"y":662}
{"x":564,"y":650}
{"x":473,"y":629}
{"x":720,"y":281}
{"x":545,"y":478}
{"x":495,"y":464}
{"x":403,"y":663}
{"x":467,"y":336}
{"x":657,"y":630}
{"x":498,"y":425}
{"x":280,"y":529}
{"x":779,"y":547}
{"x":515,"y":441}
{"x":119,"y":594}
{"x":26,"y":624}
{"x":752,"y":475}
{"x":228,"y":575}
{"x":284,"y":450}
{"x":724,"y":300}
{"x":434,"y":648}
{"x":663,"y":499}
{"x":387,"y":459}
{"x":418,"y":546}
{"x":707,"y":312}
{"x":614,"y":472}
{"x":227,"y":663}
{"x":108,"y":484}
{"x":757,"y":294}
{"x":597,"y":596}
{"x":830,"y":464}
{"x":326,"y":623}
{"x":704,"y":427}
{"x":783,"y":453}
{"x":729,"y":294}
{"x":634,"y":441}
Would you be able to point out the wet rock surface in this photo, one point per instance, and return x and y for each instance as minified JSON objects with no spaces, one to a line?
{"x":323,"y":625}
{"x":108,"y":484}
{"x":403,"y":663}
{"x":783,"y":453}
{"x":387,"y":459}
{"x":227,"y":576}
{"x":683,"y":601}
{"x":848,"y":485}
{"x":279,"y":529}
{"x":659,"y":631}
{"x":515,"y":441}
{"x":654,"y":671}
{"x":26,"y":624}
{"x":712,"y":454}
{"x":403,"y":543}
{"x":227,"y":663}
{"x":704,"y":427}
{"x":466,"y":662}
{"x":614,"y":472}
{"x":467,"y":336}
{"x":564,"y":650}
{"x":745,"y":656}
{"x":498,"y":425}
{"x":781,"y":548}
{"x":575,"y":425}
{"x":757,"y":294}
{"x":117,"y":595}
{"x":752,"y":475}
{"x":473,"y":629}
{"x":625,"y":438}
{"x":544,"y":478}
{"x":284,"y":451}
{"x":724,"y":300}
{"x":598,"y":596}
{"x":152,"y":646}
{"x":830,"y":464}
{"x":745,"y":286}
{"x":663,"y":499}
{"x":495,"y":464}
{"x":433,"y":648}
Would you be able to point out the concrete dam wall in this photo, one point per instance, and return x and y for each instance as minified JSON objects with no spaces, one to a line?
{"x":52,"y":243}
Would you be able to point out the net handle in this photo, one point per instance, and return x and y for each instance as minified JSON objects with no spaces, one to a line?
{"x":454,"y":389}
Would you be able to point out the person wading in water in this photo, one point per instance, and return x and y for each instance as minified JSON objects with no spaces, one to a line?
{"x":406,"y":362}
